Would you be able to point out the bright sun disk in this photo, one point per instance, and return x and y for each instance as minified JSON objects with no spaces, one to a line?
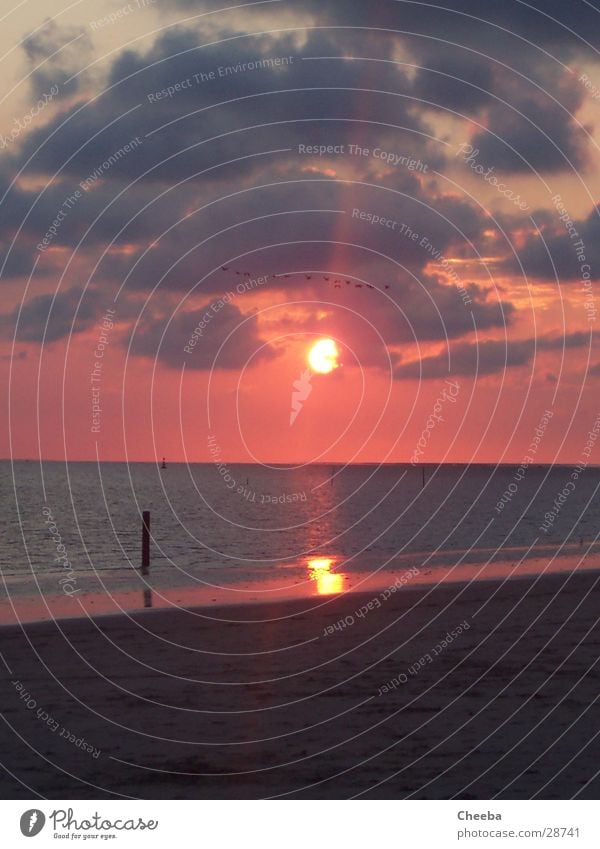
{"x":323,"y":356}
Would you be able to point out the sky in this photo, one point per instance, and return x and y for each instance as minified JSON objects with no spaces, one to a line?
{"x":194,"y":194}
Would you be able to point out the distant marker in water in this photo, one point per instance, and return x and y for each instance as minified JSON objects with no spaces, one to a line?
{"x":145,"y":542}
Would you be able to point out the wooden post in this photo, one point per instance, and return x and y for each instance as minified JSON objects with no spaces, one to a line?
{"x":145,"y":542}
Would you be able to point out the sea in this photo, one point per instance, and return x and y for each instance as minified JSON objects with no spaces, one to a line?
{"x":70,"y":533}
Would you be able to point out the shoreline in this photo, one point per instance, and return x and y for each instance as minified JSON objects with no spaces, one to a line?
{"x":323,"y":585}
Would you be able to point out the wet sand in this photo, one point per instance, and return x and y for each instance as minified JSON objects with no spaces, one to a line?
{"x":476,"y":691}
{"x":97,"y":594}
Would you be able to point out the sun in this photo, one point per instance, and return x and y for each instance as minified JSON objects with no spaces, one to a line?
{"x":323,"y":356}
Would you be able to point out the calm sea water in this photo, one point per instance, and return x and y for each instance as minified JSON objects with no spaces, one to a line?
{"x":253,"y":523}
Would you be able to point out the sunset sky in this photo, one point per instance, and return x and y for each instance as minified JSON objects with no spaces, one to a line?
{"x":415,"y":181}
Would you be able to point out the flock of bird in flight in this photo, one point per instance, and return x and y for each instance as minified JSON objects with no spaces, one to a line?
{"x":335,"y":281}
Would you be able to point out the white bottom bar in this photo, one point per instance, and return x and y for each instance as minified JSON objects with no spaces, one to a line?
{"x":296,"y":824}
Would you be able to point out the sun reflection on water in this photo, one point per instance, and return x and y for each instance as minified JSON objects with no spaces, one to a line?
{"x":328,"y":582}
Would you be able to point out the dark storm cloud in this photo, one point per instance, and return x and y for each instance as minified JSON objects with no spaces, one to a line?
{"x":47,"y":318}
{"x":562,"y":255}
{"x":547,"y":22}
{"x":105,"y":142}
{"x":218,"y":335}
{"x":542,"y":20}
{"x":525,"y":98}
{"x":507,"y":30}
{"x":93,"y":132}
{"x":525,"y":103}
{"x":551,"y":23}
{"x":63,"y":217}
{"x":467,"y":51}
{"x":534,"y":133}
{"x":16,"y":261}
{"x":487,"y":357}
{"x":300,"y":99}
{"x":453,"y":79}
{"x":436,"y":310}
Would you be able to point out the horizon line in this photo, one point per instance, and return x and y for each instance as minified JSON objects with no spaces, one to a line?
{"x":289,"y":464}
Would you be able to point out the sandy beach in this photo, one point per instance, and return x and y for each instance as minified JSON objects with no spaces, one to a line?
{"x":473,"y":691}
